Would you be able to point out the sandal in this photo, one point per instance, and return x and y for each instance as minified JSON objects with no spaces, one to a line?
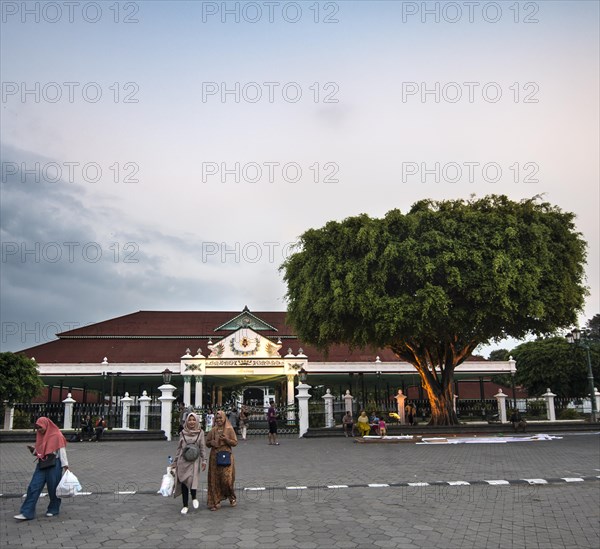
{"x":214,"y":508}
{"x":233,"y":502}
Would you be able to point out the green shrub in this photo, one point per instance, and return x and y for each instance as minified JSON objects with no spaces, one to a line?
{"x":569,"y":413}
{"x":22,"y":420}
{"x":536,"y":408}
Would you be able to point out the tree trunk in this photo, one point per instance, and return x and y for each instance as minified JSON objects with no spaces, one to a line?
{"x":438,"y":381}
{"x":441,"y":402}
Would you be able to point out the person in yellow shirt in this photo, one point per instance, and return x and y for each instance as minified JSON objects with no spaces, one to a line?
{"x":363,"y":426}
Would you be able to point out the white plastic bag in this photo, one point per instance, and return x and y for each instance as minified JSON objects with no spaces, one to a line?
{"x":68,"y":486}
{"x":168,"y":484}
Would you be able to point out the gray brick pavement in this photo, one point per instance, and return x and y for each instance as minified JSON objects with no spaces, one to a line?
{"x":558,"y":514}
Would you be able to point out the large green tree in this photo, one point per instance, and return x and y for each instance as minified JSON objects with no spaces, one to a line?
{"x":553,"y":363}
{"x":434,"y":283}
{"x":19,"y":378}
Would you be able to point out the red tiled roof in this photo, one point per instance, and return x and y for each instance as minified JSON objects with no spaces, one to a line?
{"x":177,"y":323}
{"x":164,"y":336}
{"x":169,"y":350}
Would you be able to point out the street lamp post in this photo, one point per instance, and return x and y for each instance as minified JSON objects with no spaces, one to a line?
{"x":166,"y":403}
{"x":111,"y":376}
{"x":575,"y":337}
{"x":511,"y":361}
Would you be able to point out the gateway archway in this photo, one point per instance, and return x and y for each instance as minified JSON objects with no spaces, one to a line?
{"x":258,"y":396}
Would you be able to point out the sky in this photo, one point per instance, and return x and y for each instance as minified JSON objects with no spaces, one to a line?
{"x":166,"y":155}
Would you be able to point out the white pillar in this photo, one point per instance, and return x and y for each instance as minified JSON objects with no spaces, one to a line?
{"x":501,"y":398}
{"x":68,"y":421}
{"x":9,"y":416}
{"x":126,"y":402}
{"x":400,"y":398}
{"x":166,"y":407}
{"x":549,"y":396}
{"x":144,"y":401}
{"x":290,"y":396}
{"x":597,"y":397}
{"x":348,"y":400}
{"x":454,"y":403}
{"x":302,"y":397}
{"x":328,"y":398}
{"x":198,"y":392}
{"x":187,"y":390}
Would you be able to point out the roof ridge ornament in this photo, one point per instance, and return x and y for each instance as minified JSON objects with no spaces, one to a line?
{"x":246,"y":320}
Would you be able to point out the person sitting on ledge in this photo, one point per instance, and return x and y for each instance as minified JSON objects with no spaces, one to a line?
{"x":375,"y":423}
{"x":348,"y":423}
{"x":363,"y":426}
{"x":87,"y":428}
{"x":517,"y":421}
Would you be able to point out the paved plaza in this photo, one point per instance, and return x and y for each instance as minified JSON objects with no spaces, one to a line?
{"x":329,"y":492}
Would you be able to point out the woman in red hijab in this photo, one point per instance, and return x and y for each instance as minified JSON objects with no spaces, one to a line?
{"x":52,"y":461}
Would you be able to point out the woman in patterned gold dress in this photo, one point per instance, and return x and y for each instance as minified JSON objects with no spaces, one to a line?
{"x":221,"y":478}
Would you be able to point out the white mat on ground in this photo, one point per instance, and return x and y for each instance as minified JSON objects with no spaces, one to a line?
{"x":487,"y":440}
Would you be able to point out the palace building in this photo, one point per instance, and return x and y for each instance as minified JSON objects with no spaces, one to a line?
{"x":217,"y":357}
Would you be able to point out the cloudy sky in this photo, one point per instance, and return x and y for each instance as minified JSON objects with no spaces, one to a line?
{"x":166,"y":155}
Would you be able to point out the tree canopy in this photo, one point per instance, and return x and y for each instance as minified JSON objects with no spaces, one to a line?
{"x":499,"y":354}
{"x":19,"y":378}
{"x":553,"y":363}
{"x":434,"y":283}
{"x":593,"y":328}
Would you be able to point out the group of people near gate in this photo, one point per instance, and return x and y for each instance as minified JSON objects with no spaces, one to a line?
{"x":365,"y":424}
{"x":92,"y":430}
{"x":239,"y":420}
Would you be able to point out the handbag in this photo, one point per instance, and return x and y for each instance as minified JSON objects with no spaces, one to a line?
{"x":47,"y":461}
{"x":223,"y":458}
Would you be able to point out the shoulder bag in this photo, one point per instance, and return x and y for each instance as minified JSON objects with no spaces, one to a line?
{"x":47,"y":461}
{"x":223,"y":458}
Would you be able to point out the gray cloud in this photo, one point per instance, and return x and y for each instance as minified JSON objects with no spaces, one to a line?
{"x":67,"y":263}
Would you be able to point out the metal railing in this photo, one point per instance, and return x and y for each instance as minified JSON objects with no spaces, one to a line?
{"x":477,"y":409}
{"x":26,"y":414}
